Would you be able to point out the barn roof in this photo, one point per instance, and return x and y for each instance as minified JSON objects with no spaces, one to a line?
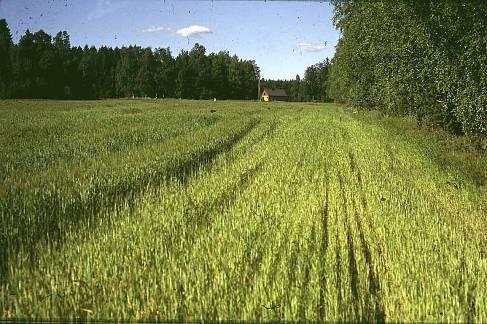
{"x":276,"y":92}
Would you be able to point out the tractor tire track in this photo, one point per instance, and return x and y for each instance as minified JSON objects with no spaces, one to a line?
{"x":62,"y":214}
{"x":373,"y":296}
{"x":323,"y":248}
{"x":200,"y":214}
{"x":352,"y":262}
{"x":312,"y":246}
{"x":353,"y":272}
{"x":338,"y":270}
{"x":468,"y":300}
{"x":375,"y":310}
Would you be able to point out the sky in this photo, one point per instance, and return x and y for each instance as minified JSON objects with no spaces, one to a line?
{"x":283,"y":37}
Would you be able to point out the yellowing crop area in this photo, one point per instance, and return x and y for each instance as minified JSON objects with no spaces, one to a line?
{"x":232,"y":210}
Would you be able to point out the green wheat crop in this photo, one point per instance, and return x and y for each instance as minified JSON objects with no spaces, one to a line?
{"x":173,"y":209}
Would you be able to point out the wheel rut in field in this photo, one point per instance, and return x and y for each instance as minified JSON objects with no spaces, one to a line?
{"x":183,"y":172}
{"x":56,"y":215}
{"x":471,"y":309}
{"x":338,"y":270}
{"x":315,"y":244}
{"x":353,"y":272}
{"x":374,"y":308}
{"x":323,"y":248}
{"x":304,"y":290}
{"x":338,"y":258}
{"x":199,"y":219}
{"x":355,"y":170}
{"x":265,"y":135}
{"x":352,"y":262}
{"x":199,"y":215}
{"x":325,"y":219}
{"x":374,"y":305}
{"x":367,"y":303}
{"x":251,"y":262}
{"x":468,"y":300}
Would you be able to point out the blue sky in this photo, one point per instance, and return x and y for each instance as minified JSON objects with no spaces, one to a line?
{"x":284,"y":37}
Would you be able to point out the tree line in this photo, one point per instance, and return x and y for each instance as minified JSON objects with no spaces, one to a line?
{"x":424,"y":58}
{"x":313,"y":87}
{"x":41,"y":66}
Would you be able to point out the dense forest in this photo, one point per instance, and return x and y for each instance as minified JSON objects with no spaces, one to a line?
{"x":422,"y":58}
{"x":41,"y":66}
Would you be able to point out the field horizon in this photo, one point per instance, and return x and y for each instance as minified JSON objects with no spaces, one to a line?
{"x":168,"y":209}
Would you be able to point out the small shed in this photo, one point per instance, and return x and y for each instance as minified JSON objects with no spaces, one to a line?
{"x":274,"y":95}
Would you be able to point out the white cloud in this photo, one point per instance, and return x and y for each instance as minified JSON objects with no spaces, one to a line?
{"x":154,"y":29}
{"x":193,"y":31}
{"x":311,"y":47}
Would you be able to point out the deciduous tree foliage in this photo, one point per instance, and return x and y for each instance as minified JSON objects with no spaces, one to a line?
{"x":43,"y":67}
{"x":422,"y":58}
{"x":314,"y":86}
